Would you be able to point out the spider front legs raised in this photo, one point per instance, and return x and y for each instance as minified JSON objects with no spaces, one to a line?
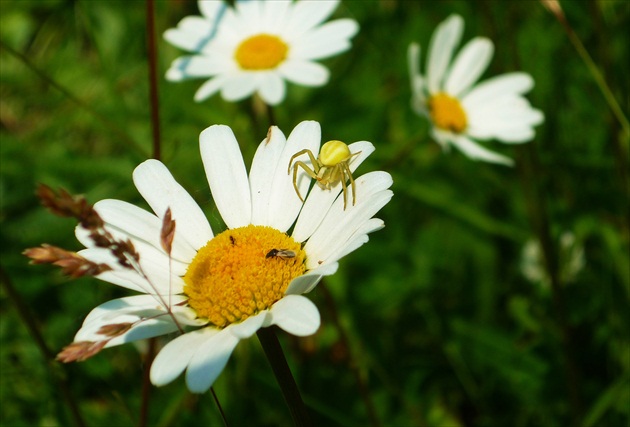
{"x":312,"y":173}
{"x":331,"y":166}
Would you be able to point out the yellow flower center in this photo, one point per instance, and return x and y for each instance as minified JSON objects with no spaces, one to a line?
{"x":447,"y":113}
{"x":241,"y":272}
{"x":261,"y":52}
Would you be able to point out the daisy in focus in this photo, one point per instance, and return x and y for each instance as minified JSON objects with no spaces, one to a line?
{"x":460,"y":111}
{"x":216,"y":289}
{"x":256,"y":45}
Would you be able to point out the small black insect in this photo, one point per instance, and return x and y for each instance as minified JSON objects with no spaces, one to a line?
{"x":280,"y":253}
{"x":233,"y":240}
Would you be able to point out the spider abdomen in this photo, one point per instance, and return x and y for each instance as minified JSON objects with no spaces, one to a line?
{"x":334,"y":152}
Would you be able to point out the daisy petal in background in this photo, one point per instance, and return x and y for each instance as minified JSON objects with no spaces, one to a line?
{"x":256,"y":45}
{"x":217,"y":289}
{"x":462,"y":113}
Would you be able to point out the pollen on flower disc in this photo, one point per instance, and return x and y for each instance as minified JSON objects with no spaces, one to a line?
{"x":261,"y":52}
{"x":447,"y":113}
{"x":233,"y":278}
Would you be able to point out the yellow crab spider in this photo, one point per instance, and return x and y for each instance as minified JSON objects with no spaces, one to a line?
{"x":330,"y":167}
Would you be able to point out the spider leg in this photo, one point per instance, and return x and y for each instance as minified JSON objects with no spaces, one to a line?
{"x":344,"y":188}
{"x":354,"y":188}
{"x":308,"y":170}
{"x":354,"y":154}
{"x":311,"y":157}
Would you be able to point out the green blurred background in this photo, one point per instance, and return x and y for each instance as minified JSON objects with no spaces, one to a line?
{"x":450,"y":316}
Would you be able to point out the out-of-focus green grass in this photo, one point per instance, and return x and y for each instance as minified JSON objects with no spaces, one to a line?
{"x":443,"y":324}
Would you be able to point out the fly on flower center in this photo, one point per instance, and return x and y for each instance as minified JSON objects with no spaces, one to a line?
{"x":234,"y":276}
{"x":447,"y":113}
{"x":261,"y":52}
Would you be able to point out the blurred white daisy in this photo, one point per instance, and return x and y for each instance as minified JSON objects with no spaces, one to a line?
{"x":256,"y":45}
{"x":218,"y":289}
{"x":571,"y":260}
{"x":460,"y":111}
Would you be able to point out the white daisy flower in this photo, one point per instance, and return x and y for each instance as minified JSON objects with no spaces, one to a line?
{"x":462,"y":112}
{"x":222,"y":288}
{"x":256,"y":45}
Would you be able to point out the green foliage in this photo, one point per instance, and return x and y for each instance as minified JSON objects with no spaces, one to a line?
{"x":444,"y":324}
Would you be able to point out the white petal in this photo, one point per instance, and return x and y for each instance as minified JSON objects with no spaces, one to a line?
{"x":210,"y":87}
{"x":124,"y":278}
{"x":274,"y":16}
{"x":212,"y":10}
{"x":339,"y":225}
{"x":328,"y":40}
{"x":284,"y":204}
{"x":516,"y":136}
{"x":511,"y":83}
{"x":209,"y":360}
{"x":149,"y":255}
{"x":249,"y":326}
{"x":142,"y":225}
{"x":442,"y":137}
{"x":226,"y":175}
{"x":304,"y":73}
{"x":358,"y":239}
{"x":509,"y":119}
{"x":127,"y":310}
{"x":272,"y":88}
{"x":418,"y":84}
{"x":308,"y":14}
{"x":191,"y":33}
{"x":136,"y":303}
{"x":159,"y":278}
{"x":297,"y":315}
{"x":413,"y":61}
{"x":324,"y":245}
{"x":469,"y":65}
{"x":444,"y":40}
{"x":175,"y":356}
{"x":264,"y":166}
{"x":249,"y":14}
{"x":319,"y":200}
{"x":477,"y":152}
{"x":158,"y":187}
{"x":305,"y":283}
{"x":352,"y":245}
{"x":196,"y":66}
{"x":239,"y":86}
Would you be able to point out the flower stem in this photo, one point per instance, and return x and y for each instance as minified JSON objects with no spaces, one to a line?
{"x":146,"y":382}
{"x":153,"y":83}
{"x":216,"y":401}
{"x":155,"y":127}
{"x":273,"y":351}
{"x":530,"y":172}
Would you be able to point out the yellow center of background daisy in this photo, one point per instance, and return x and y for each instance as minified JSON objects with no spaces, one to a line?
{"x":447,"y":113}
{"x":241,"y":272}
{"x":261,"y":52}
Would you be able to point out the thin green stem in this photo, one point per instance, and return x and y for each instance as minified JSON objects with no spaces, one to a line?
{"x":273,"y":351}
{"x":146,"y":382}
{"x":123,"y":136}
{"x":56,"y":371}
{"x":155,"y":127}
{"x":622,"y":144}
{"x":216,"y":401}
{"x":153,"y":81}
{"x":530,"y":171}
{"x":271,"y":115}
{"x":598,"y":77}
